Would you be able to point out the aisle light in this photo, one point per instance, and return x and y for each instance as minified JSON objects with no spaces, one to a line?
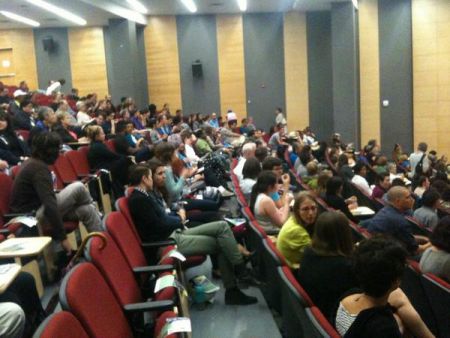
{"x":137,"y":6}
{"x":190,"y":5}
{"x":20,"y":18}
{"x":59,"y":11}
{"x":242,"y":5}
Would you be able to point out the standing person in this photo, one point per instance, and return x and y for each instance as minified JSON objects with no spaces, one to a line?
{"x":33,"y":190}
{"x":148,"y":211}
{"x":419,"y":157}
{"x":295,"y":235}
{"x":279,"y":118}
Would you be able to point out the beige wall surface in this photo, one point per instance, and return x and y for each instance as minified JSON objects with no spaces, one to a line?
{"x":296,"y":70}
{"x":431,"y":73}
{"x":87,"y":60}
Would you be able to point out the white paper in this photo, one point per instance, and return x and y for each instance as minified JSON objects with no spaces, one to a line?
{"x":178,"y":255}
{"x":164,"y":282}
{"x":178,"y":324}
{"x":29,"y":221}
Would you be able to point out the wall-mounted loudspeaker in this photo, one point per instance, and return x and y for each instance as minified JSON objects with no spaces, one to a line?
{"x":197,"y":69}
{"x":48,"y":44}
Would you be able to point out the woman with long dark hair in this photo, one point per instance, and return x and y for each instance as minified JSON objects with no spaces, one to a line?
{"x":263,"y":206}
{"x":13,"y":149}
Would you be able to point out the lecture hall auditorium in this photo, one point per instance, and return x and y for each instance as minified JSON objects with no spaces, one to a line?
{"x":224,"y":168}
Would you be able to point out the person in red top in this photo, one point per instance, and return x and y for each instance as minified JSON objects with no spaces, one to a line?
{"x":383,"y":184}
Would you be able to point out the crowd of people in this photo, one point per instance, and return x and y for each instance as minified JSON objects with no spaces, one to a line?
{"x":176,"y":170}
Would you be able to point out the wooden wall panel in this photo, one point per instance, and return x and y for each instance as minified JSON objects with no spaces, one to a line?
{"x":21,"y":41}
{"x":87,"y":60}
{"x":230,"y":51}
{"x":431,"y":73}
{"x":163,"y":67}
{"x":296,"y":70}
{"x":369,"y":70}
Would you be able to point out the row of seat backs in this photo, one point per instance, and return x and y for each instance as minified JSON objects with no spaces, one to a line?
{"x":430,"y":296}
{"x":300,"y":317}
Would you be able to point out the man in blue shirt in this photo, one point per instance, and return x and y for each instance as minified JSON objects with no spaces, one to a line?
{"x":214,"y":122}
{"x":391,"y":220}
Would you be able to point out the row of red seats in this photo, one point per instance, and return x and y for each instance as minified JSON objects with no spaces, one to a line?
{"x":300,"y":317}
{"x":113,"y":304}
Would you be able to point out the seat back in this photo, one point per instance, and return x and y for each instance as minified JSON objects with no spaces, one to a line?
{"x":65,"y":170}
{"x":413,"y":288}
{"x":438,"y":292}
{"x":111,"y":145}
{"x":272,"y":259}
{"x":111,"y":263}
{"x":24,"y":134}
{"x":85,"y":293}
{"x":122,"y":206}
{"x":61,"y":325}
{"x":79,"y":162}
{"x":294,"y":300}
{"x":117,"y":226}
{"x":320,"y":325}
{"x":6,"y":184}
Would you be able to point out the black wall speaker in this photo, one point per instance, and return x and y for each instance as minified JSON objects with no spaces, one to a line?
{"x":48,"y":44}
{"x":197,"y":69}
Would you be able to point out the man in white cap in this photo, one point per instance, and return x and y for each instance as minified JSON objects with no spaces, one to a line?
{"x":14,"y":106}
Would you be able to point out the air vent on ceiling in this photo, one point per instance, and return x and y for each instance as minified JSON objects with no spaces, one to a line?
{"x":51,"y":20}
{"x":216,"y":4}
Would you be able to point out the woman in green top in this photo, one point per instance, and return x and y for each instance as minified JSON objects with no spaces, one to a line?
{"x":296,"y":233}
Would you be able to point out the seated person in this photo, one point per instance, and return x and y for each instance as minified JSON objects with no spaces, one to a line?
{"x":202,"y":145}
{"x":379,"y":265}
{"x":266,"y":212}
{"x":326,"y":272}
{"x":295,"y":235}
{"x":46,"y":122}
{"x":23,"y":118}
{"x":427,"y":213}
{"x":423,"y":183}
{"x":304,"y":158}
{"x":12,"y":320}
{"x":333,"y":197}
{"x":100,"y":157}
{"x":14,"y":150}
{"x":63,"y":128}
{"x":436,"y":259}
{"x":153,"y":223}
{"x":22,"y":291}
{"x":248,"y":151}
{"x":343,"y":168}
{"x":33,"y":190}
{"x":277,"y":138}
{"x":312,"y":175}
{"x":359,"y":179}
{"x":382,"y":185}
{"x":381,"y":165}
{"x":141,"y":152}
{"x":250,"y":173}
{"x":228,"y":136}
{"x":391,"y":220}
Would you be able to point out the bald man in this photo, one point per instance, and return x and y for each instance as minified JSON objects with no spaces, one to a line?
{"x":391,"y":220}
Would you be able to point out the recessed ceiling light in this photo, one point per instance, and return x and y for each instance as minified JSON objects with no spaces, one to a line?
{"x":242,"y":5}
{"x":59,"y":11}
{"x":190,"y":5}
{"x":137,"y":6}
{"x":20,"y":18}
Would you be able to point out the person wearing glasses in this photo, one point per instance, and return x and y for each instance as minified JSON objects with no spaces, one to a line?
{"x":391,"y":221}
{"x":295,"y":235}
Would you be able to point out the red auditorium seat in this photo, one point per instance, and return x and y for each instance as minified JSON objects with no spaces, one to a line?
{"x":85,"y":293}
{"x":24,"y":134}
{"x":413,"y":288}
{"x":61,"y":325}
{"x":438,"y":292}
{"x":114,"y":268}
{"x":300,"y":318}
{"x":271,"y":259}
